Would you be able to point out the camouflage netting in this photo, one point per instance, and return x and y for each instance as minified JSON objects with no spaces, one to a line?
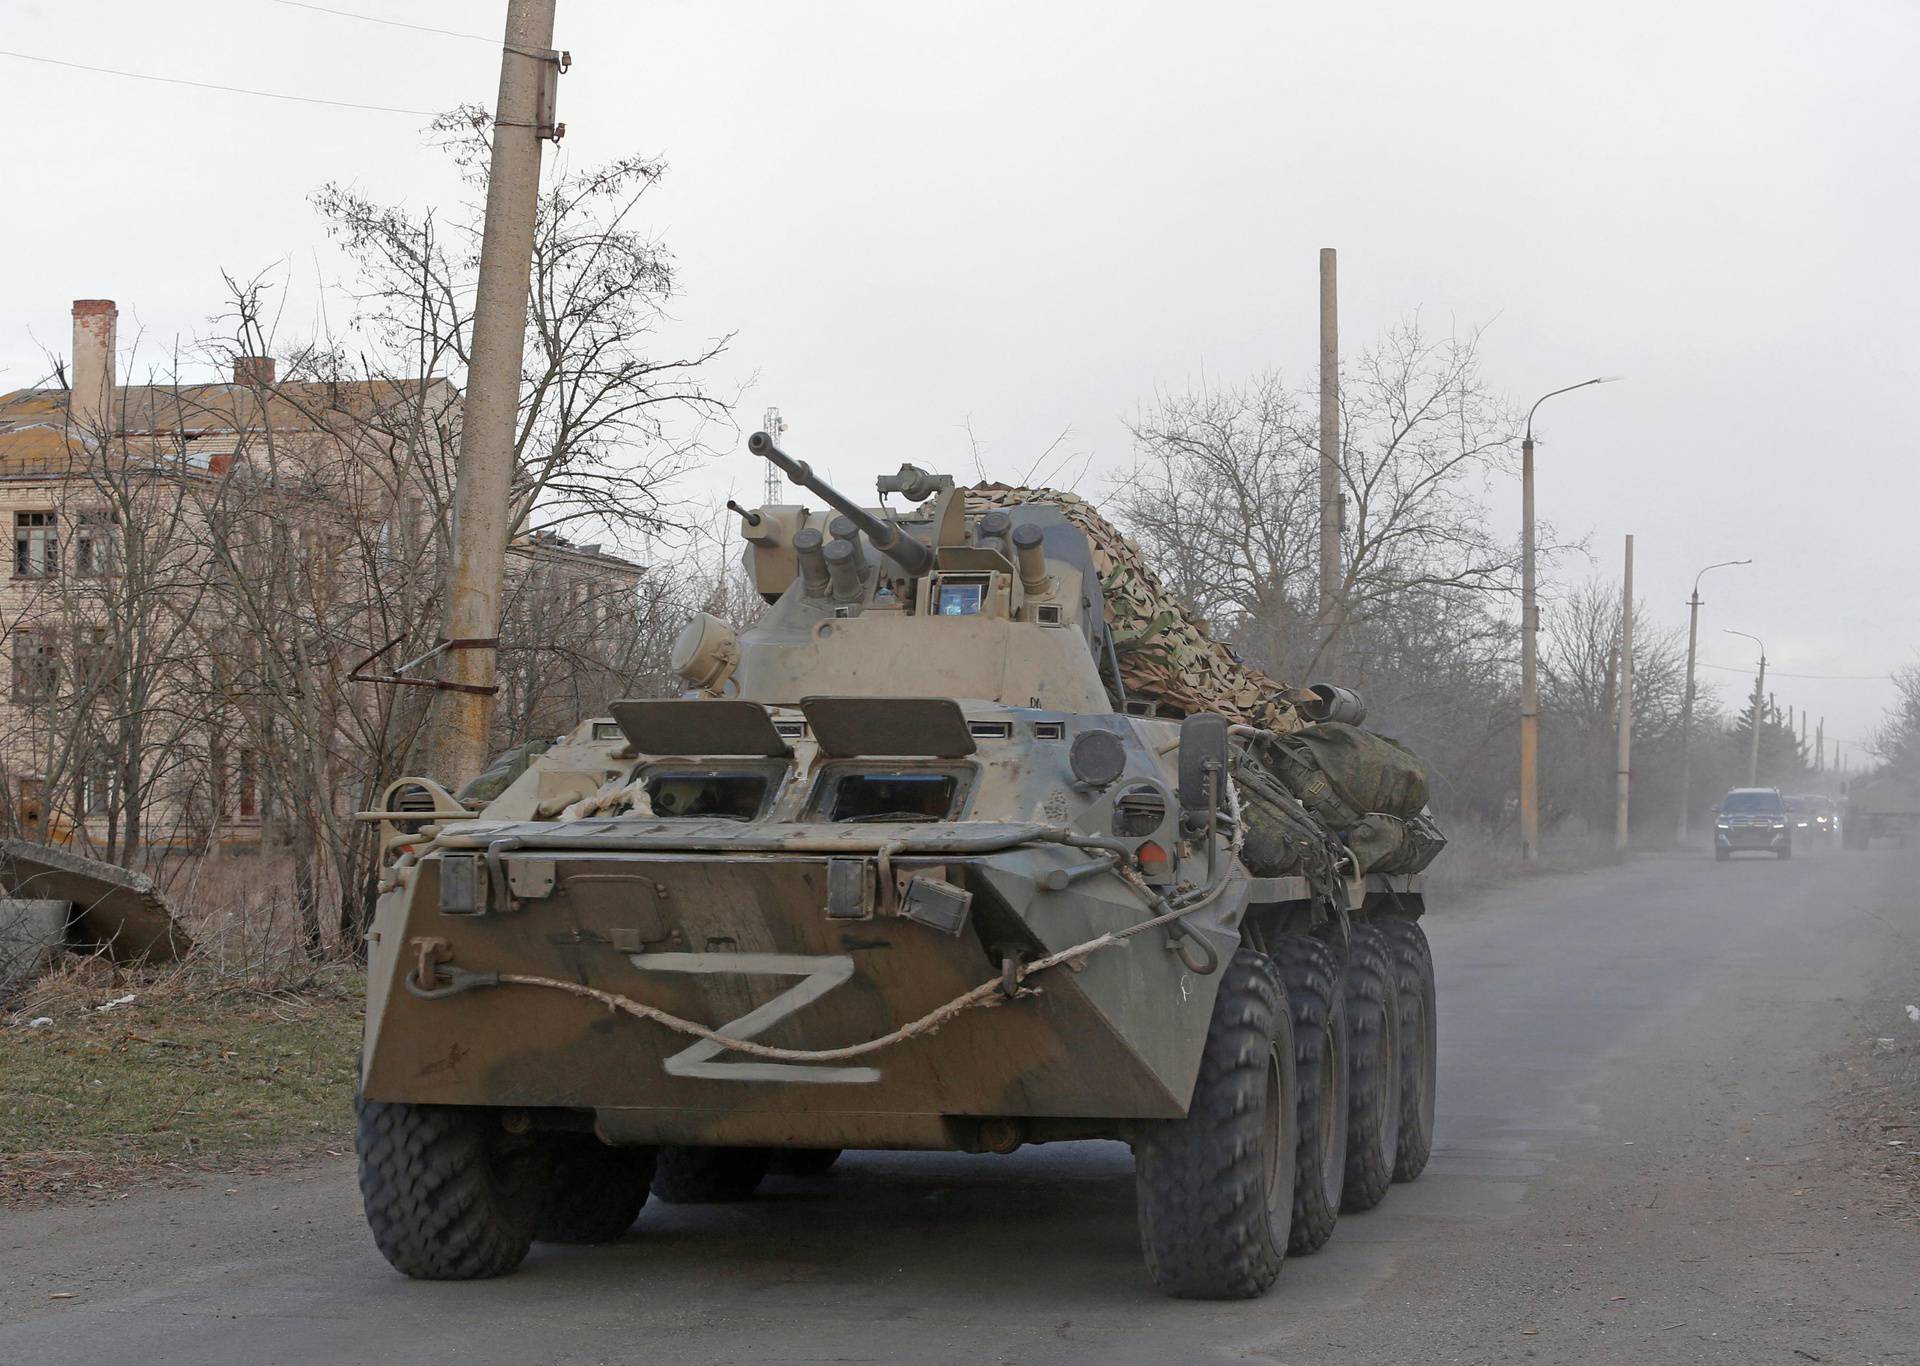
{"x":1164,"y":650}
{"x":1366,"y":788}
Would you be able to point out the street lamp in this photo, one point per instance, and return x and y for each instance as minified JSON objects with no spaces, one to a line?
{"x":1529,"y":642}
{"x":1759,"y":692}
{"x":1686,"y":705}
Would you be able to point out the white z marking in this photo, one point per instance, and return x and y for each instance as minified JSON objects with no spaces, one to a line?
{"x":818,"y":975}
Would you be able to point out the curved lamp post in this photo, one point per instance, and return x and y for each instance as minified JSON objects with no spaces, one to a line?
{"x":1529,"y":641}
{"x":1759,"y":693}
{"x":1686,"y":704}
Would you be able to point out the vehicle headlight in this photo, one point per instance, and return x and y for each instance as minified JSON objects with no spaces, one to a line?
{"x":1723,"y":825}
{"x":1779,"y":825}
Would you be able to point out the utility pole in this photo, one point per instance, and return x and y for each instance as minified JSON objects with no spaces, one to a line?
{"x":483,"y":487}
{"x":1820,"y":746}
{"x":773,"y":425}
{"x":1530,"y":642}
{"x":1686,"y":703}
{"x":1333,"y":503}
{"x":1759,"y":700}
{"x":1623,"y":767}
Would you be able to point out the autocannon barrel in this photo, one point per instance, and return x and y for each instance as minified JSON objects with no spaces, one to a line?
{"x":887,"y":538}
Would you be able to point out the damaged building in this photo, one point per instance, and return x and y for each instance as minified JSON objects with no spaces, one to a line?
{"x":197,"y":572}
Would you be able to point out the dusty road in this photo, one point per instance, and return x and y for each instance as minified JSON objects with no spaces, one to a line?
{"x":1636,"y":1162}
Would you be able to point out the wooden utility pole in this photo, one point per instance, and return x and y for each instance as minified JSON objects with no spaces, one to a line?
{"x":1333,"y":503}
{"x":483,"y":488}
{"x":1624,"y":765}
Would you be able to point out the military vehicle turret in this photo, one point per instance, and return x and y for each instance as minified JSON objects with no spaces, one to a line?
{"x":970,"y":841}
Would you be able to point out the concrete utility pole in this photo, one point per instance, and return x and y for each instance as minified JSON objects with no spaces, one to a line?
{"x":1333,"y":503}
{"x":1530,"y":643}
{"x":1623,"y":768}
{"x":1820,"y":746}
{"x":1759,"y":697}
{"x":523,"y":114}
{"x":1686,"y":704}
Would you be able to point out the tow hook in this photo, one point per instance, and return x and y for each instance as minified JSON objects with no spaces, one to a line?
{"x":433,"y":977}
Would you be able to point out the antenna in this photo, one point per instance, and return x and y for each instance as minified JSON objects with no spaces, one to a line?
{"x":773,"y":425}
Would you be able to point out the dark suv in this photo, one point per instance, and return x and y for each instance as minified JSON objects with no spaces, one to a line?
{"x":1753,"y":819}
{"x":1814,"y":815}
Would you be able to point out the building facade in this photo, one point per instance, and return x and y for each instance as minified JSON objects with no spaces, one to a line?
{"x":198,"y":573}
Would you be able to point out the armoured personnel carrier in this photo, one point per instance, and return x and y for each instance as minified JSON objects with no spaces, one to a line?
{"x":1881,"y":807}
{"x":970,"y":841}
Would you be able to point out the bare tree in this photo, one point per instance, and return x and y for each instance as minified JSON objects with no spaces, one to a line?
{"x":1897,"y":741}
{"x":108,"y":700}
{"x":1421,"y":434}
{"x":1580,"y":700}
{"x":605,"y":424}
{"x":1222,"y":496}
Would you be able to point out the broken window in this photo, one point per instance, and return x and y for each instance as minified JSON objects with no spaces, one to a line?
{"x":36,"y":665}
{"x":93,"y":657}
{"x":96,"y":788}
{"x":31,"y":809}
{"x":95,"y":544}
{"x":36,"y":545}
{"x":249,"y":793}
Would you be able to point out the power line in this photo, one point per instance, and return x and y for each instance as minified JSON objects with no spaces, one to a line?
{"x":390,"y":23}
{"x":1779,"y":673}
{"x":208,"y":85}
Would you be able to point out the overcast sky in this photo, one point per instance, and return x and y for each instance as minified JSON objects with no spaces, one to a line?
{"x":1029,"y":216}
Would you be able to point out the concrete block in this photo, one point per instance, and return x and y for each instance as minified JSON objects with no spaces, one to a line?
{"x":31,"y":933}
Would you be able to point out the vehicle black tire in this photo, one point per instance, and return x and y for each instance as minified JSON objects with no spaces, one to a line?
{"x":1216,"y":1189}
{"x":595,"y":1192}
{"x":803,"y":1161}
{"x":1419,"y":1040}
{"x":449,"y":1194}
{"x":708,"y":1176}
{"x":1373,"y":1087}
{"x":1311,"y":972}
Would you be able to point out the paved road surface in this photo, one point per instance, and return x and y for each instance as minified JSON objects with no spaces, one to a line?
{"x":1635,"y":1163}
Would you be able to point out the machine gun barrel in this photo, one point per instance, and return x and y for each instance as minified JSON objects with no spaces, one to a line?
{"x":887,"y":538}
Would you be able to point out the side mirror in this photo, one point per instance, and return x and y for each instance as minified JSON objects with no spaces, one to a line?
{"x":1203,"y":762}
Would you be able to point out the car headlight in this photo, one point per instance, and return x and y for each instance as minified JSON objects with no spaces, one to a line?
{"x":1723,"y":825}
{"x":1779,"y":825}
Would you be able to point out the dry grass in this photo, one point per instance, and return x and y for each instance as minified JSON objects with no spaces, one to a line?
{"x":240,"y":910}
{"x":241,"y":1055}
{"x":205,"y":1069}
{"x":1480,"y":857}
